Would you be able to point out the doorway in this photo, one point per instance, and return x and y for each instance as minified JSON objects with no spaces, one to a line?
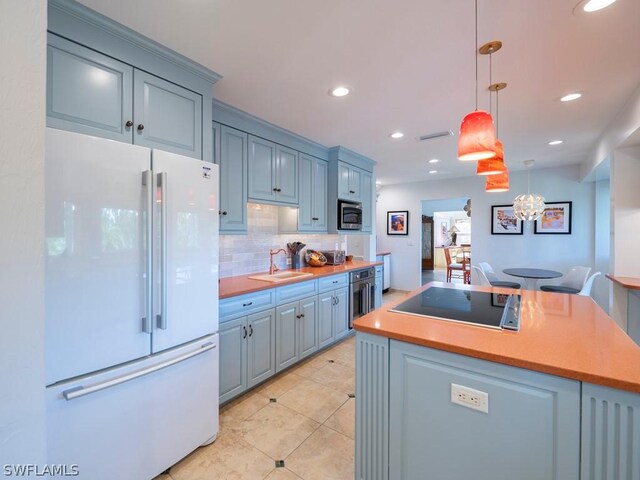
{"x":446,"y":224}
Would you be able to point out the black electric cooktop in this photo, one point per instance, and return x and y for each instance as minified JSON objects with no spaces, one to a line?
{"x":484,"y":309}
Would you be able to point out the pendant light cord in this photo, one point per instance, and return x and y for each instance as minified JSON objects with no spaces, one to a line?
{"x":476,"y":54}
{"x":497,"y":113}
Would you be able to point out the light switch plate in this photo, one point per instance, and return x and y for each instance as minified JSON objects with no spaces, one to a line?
{"x":470,"y":398}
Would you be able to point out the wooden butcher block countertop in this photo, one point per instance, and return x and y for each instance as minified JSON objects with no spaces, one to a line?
{"x":565,"y":335}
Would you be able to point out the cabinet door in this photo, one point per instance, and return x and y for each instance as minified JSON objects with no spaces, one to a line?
{"x":344,"y":189}
{"x":233,"y":175}
{"x":308,"y":327}
{"x":306,"y":197}
{"x":341,"y":313}
{"x":167,"y":116}
{"x":233,"y":355}
{"x":261,"y":356}
{"x":287,"y":175}
{"x":286,"y":335}
{"x":325,"y":319}
{"x":216,"y":142}
{"x":366,"y":184}
{"x":320,"y":175}
{"x":424,"y":422}
{"x":262,"y":169}
{"x":355,"y":185}
{"x":378,"y":288}
{"x":87,"y":92}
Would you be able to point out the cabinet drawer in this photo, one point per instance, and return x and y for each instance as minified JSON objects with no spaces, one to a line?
{"x":245,"y":304}
{"x":334,"y":281}
{"x":296,"y":291}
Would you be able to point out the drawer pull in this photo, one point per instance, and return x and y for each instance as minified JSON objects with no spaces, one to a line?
{"x":247,"y":304}
{"x":140,"y":127}
{"x":129,"y":124}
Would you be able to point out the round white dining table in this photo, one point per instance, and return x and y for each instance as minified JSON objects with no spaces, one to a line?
{"x":531,"y":275}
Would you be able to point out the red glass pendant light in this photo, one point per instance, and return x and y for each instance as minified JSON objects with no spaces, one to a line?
{"x":495,"y":165}
{"x":477,"y":139}
{"x":498,"y":183}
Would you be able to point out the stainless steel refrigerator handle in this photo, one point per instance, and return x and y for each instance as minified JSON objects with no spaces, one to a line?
{"x":147,"y":180}
{"x":162,"y":320}
{"x":81,"y":391}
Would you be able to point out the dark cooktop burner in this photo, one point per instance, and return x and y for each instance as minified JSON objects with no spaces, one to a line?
{"x":492,"y":310}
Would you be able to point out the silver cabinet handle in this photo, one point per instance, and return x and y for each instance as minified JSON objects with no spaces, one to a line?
{"x":81,"y":391}
{"x":161,"y":318}
{"x":147,"y":181}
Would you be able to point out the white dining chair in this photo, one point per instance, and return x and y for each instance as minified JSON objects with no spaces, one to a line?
{"x":571,"y":283}
{"x":588,"y":285}
{"x":478,"y":276}
{"x":494,"y":280}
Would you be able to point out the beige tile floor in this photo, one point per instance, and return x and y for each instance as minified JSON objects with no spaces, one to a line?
{"x":305,"y":417}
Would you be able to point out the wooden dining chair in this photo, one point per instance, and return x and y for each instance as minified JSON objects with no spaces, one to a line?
{"x":453,"y":267}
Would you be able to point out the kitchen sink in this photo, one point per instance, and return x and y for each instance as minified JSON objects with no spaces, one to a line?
{"x":280,"y":276}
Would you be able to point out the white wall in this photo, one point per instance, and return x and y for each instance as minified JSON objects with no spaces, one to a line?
{"x":558,"y":252}
{"x":22,"y":122}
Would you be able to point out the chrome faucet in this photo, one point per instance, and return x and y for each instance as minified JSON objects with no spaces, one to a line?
{"x":273,"y":268}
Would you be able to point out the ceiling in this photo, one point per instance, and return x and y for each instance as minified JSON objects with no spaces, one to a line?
{"x":411,"y":66}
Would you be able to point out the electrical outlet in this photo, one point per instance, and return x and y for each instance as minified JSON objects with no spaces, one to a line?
{"x":288,"y":261}
{"x":470,"y":398}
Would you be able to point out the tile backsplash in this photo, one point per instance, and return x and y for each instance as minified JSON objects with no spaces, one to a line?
{"x":243,"y":254}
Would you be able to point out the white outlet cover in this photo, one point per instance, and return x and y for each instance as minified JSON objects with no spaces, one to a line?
{"x":470,"y":398}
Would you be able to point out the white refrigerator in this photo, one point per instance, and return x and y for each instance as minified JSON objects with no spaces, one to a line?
{"x":131,"y":300}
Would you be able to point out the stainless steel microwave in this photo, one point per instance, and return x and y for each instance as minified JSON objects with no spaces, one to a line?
{"x":349,"y":215}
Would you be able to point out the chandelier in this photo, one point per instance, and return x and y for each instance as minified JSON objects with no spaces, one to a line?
{"x":530,"y":206}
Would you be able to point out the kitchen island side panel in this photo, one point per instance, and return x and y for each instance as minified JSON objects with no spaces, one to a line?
{"x":372,"y":407}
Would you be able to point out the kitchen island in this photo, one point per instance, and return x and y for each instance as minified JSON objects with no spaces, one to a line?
{"x":560,"y":399}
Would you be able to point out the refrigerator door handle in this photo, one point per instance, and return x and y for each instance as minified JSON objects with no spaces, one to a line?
{"x":147,"y":181}
{"x":161,"y":319}
{"x":81,"y":391}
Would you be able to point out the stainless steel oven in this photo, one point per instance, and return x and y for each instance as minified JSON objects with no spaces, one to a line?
{"x":349,"y":215}
{"x":362,"y":293}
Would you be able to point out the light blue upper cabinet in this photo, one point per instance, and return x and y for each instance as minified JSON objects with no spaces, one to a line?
{"x":167,"y":116}
{"x":312,"y":181}
{"x":273,"y":172}
{"x":344,"y":177}
{"x":366,"y":187}
{"x":286,"y":175}
{"x":233,"y":173}
{"x":88,"y":92}
{"x":262,"y":168}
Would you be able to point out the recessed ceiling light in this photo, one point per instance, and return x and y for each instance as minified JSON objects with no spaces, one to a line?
{"x":571,"y":96}
{"x":397,"y":135}
{"x":434,"y":160}
{"x":595,"y":5}
{"x":555,"y":142}
{"x":378,"y":182}
{"x":433,"y":171}
{"x":340,"y":91}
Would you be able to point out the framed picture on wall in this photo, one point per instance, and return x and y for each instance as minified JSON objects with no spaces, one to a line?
{"x":556,"y":218}
{"x":504,"y":221}
{"x":398,"y":223}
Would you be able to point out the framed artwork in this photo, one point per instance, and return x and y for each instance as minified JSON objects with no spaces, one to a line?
{"x":504,"y":221}
{"x":398,"y":223}
{"x":556,"y":218}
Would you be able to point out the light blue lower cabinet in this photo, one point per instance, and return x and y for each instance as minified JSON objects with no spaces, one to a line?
{"x":233,"y":358}
{"x":296,"y":329}
{"x":326,"y":303}
{"x":610,"y":434}
{"x":378,"y":289}
{"x":261,"y":343}
{"x":530,"y":430}
{"x":247,"y":352}
{"x":341,"y":313}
